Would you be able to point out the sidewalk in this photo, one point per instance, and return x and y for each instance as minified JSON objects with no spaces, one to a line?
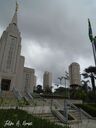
{"x":88,"y":123}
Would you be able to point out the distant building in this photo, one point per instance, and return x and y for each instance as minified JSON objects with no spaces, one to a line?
{"x":13,"y":75}
{"x":74,"y":74}
{"x":47,"y":80}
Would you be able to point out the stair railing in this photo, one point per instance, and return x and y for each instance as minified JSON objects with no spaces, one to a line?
{"x":77,"y":109}
{"x":17,"y":93}
{"x":29,"y":95}
{"x":57,"y":113}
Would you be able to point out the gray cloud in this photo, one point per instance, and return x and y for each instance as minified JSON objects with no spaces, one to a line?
{"x":54,"y":32}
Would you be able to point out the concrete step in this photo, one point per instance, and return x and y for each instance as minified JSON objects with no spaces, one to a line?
{"x":75,"y":114}
{"x":48,"y":116}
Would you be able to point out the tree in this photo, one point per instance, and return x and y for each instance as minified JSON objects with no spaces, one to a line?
{"x":85,"y":85}
{"x":81,"y":94}
{"x":73,"y":89}
{"x":62,"y":91}
{"x":39,"y":89}
{"x":48,"y":90}
{"x":91,"y":73}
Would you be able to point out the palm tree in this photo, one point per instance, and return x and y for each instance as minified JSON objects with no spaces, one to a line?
{"x":60,"y":78}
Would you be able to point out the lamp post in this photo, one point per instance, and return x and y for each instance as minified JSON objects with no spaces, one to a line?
{"x":66,"y":77}
{"x":51,"y":98}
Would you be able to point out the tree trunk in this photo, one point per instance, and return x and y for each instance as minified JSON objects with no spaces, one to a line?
{"x":93,"y":83}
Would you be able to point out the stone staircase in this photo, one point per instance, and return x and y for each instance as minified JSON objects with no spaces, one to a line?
{"x":73,"y":111}
{"x":75,"y":114}
{"x":48,"y":116}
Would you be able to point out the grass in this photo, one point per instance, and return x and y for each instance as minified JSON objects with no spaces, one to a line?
{"x":7,"y":102}
{"x":18,"y":118}
{"x":13,"y":102}
{"x":89,"y":108}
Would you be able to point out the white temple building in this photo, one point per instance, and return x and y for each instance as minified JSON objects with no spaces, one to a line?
{"x":13,"y":75}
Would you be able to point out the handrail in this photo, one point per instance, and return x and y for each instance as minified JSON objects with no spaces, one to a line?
{"x":74,"y":106}
{"x":17,"y":93}
{"x":26,"y":98}
{"x":58,"y":115}
{"x":77,"y":109}
{"x":86,"y":114}
{"x":82,"y":111}
{"x":29,"y":95}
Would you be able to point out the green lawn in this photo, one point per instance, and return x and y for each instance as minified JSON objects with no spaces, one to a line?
{"x":21,"y":119}
{"x":89,"y":108}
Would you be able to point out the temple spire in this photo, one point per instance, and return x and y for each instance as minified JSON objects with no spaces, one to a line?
{"x":16,"y":7}
{"x":14,"y":19}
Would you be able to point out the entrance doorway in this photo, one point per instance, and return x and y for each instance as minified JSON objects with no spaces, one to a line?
{"x":5,"y":84}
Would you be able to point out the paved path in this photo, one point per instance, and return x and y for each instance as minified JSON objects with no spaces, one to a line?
{"x":29,"y":109}
{"x":85,"y":124}
{"x":37,"y":109}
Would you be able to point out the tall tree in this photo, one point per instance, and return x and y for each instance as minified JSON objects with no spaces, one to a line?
{"x":91,"y":73}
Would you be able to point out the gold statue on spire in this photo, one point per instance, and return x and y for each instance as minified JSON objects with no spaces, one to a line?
{"x":17,"y":6}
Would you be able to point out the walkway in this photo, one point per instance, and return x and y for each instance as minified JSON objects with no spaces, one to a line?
{"x":85,"y":124}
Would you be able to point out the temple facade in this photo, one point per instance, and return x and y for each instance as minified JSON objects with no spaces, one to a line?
{"x":13,"y":75}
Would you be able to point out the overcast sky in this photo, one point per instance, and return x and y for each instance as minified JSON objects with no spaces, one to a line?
{"x":54,"y":33}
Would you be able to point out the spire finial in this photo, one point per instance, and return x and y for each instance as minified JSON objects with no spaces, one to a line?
{"x":14,"y":19}
{"x":16,"y":6}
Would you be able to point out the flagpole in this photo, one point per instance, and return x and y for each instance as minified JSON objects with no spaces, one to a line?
{"x":94,"y":50}
{"x":93,"y":40}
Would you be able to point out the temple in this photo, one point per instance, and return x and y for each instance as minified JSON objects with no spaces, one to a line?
{"x":13,"y":75}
